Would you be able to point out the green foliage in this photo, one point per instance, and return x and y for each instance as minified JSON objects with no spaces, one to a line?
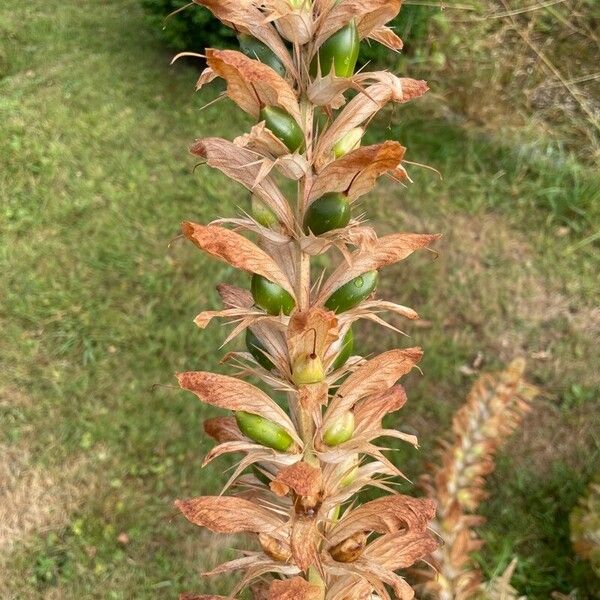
{"x":191,"y":29}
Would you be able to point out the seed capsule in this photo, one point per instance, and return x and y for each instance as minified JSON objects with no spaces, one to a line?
{"x":275,"y":548}
{"x":346,"y":350}
{"x":307,"y":369}
{"x":349,"y":142}
{"x":331,"y":211}
{"x":256,"y":349}
{"x":340,"y":431}
{"x":352,"y":293}
{"x":262,"y":213}
{"x":350,"y":549}
{"x":262,"y":431}
{"x":340,"y":51}
{"x":271,"y":296}
{"x":255,"y":49}
{"x":284,"y":127}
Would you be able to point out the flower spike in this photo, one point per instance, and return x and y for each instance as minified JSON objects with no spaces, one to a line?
{"x":300,"y":464}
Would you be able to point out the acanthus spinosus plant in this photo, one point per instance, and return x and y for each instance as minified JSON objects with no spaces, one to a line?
{"x":294,"y":487}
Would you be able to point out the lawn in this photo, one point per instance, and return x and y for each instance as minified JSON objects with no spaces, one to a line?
{"x":98,"y":297}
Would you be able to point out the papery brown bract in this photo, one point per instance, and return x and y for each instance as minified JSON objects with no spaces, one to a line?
{"x":252,"y":84}
{"x":244,"y":166}
{"x":355,"y":173}
{"x":245,"y":17}
{"x":295,"y":588}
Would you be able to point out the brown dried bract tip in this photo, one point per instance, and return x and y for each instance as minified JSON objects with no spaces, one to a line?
{"x":294,"y":482}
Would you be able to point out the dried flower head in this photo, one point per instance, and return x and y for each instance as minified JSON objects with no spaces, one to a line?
{"x":299,"y":468}
{"x":495,"y":406}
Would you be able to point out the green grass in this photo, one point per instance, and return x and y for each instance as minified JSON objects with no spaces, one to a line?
{"x":96,"y":307}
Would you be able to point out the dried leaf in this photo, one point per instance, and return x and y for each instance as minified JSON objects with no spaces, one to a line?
{"x":363,"y":106}
{"x":388,"y":514}
{"x":203,"y":319}
{"x":233,"y":394}
{"x":243,"y":445}
{"x":250,"y":563}
{"x":355,"y":173}
{"x":400,"y":550}
{"x":328,"y":89}
{"x":367,"y":15}
{"x":311,"y":398}
{"x":226,"y":514}
{"x":251,"y":84}
{"x":373,"y":377}
{"x":223,"y":429}
{"x":312,"y":330}
{"x":304,"y":541}
{"x":375,"y":306}
{"x":384,"y":35}
{"x":294,"y":23}
{"x":244,"y":166}
{"x":369,"y":413}
{"x":295,"y":588}
{"x":260,"y":139}
{"x":235,"y":297}
{"x":237,"y":251}
{"x":302,"y":478}
{"x":245,"y":17}
{"x":385,"y":251}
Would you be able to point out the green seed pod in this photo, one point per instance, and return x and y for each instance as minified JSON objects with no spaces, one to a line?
{"x":262,"y":431}
{"x":348,"y":142}
{"x":262,"y":213}
{"x":271,"y":296}
{"x":257,"y":50}
{"x":345,"y":350}
{"x":339,"y":51}
{"x":340,"y":431}
{"x":352,"y":293}
{"x":307,"y":370}
{"x":328,"y":212}
{"x":284,"y":127}
{"x":255,"y":348}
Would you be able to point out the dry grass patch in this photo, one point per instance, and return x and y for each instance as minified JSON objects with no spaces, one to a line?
{"x":35,"y":499}
{"x":545,"y":440}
